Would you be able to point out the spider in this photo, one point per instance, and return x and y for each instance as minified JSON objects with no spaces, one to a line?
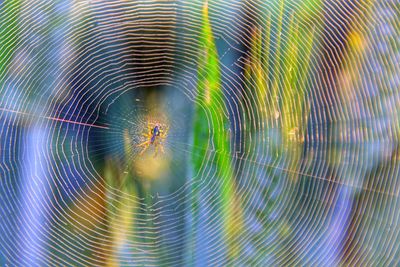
{"x":155,"y":136}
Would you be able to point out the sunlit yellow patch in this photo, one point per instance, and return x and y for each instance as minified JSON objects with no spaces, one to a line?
{"x":121,"y":227}
{"x":356,"y":40}
{"x":234,"y":226}
{"x":150,"y":167}
{"x":89,"y":210}
{"x":207,"y":93}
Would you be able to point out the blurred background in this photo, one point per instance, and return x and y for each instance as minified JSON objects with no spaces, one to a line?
{"x":199,"y":133}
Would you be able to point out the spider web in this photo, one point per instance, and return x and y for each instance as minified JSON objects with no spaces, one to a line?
{"x":282,"y":145}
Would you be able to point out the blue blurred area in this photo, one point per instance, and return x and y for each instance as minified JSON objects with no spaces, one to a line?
{"x":86,"y":80}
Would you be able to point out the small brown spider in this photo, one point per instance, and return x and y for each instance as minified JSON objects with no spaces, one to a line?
{"x":155,"y":136}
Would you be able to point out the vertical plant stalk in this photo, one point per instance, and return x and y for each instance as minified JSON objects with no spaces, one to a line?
{"x":210,"y":137}
{"x":120,"y":210}
{"x":276,"y":78}
{"x":9,"y":33}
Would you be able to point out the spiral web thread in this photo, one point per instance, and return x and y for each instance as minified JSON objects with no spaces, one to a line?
{"x":292,"y":157}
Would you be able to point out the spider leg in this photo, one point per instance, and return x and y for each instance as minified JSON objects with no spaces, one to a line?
{"x":162,"y":149}
{"x":146,"y":145}
{"x":156,"y":151}
{"x":143,"y":150}
{"x":143,"y":144}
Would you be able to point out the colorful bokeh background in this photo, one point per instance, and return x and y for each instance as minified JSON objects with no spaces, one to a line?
{"x":279,"y":145}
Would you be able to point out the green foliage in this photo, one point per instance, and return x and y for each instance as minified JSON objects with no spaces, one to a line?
{"x":9,"y":16}
{"x":210,"y":137}
{"x":277,"y":80}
